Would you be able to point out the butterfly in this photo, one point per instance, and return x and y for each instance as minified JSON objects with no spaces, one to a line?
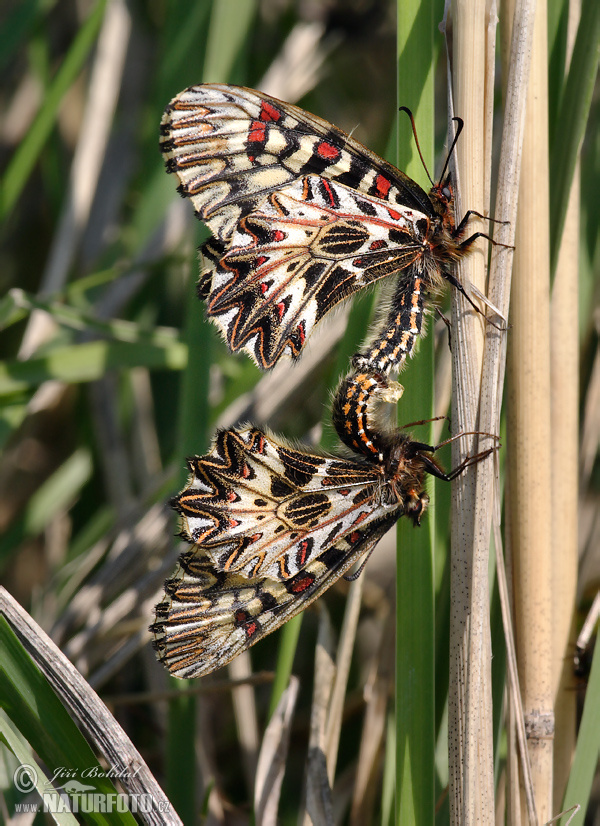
{"x":303,"y":216}
{"x":271,"y":527}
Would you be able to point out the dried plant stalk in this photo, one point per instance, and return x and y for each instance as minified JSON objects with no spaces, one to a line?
{"x":470,"y":701}
{"x":564,"y":389}
{"x":529,"y":430}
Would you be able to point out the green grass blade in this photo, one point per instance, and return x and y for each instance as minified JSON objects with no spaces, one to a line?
{"x":39,"y":715}
{"x":415,"y":650}
{"x":88,"y":362}
{"x":587,"y":751}
{"x":28,"y":773}
{"x":15,"y":28}
{"x":25,"y":157}
{"x":55,"y":494}
{"x":229,"y":24}
{"x":288,"y":642}
{"x":572,"y":119}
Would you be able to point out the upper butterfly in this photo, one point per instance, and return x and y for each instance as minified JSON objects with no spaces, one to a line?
{"x":303,"y":215}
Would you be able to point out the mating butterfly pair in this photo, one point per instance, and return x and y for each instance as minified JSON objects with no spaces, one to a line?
{"x":303,"y":216}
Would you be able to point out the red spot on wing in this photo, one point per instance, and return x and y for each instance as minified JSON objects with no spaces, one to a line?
{"x":327,"y":188}
{"x":269,"y":112}
{"x":327,"y":151}
{"x":233,"y":523}
{"x":280,"y":309}
{"x":302,"y":584}
{"x":382,"y":185}
{"x":278,"y":235}
{"x":260,"y":260}
{"x":395,"y":216}
{"x":377,"y":245}
{"x":354,"y":537}
{"x":303,"y":553}
{"x":245,"y":472}
{"x":251,"y":628}
{"x":257,"y":132}
{"x":301,"y":333}
{"x":232,"y":497}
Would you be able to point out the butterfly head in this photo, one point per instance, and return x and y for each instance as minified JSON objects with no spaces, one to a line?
{"x":406,"y":465}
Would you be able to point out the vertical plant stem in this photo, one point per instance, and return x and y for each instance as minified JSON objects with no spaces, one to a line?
{"x":470,"y":729}
{"x":193,"y":439}
{"x":564,"y":366}
{"x":415,"y":623}
{"x":529,"y":430}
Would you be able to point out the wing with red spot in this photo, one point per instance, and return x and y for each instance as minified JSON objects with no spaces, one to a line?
{"x":208,"y":616}
{"x":303,"y":215}
{"x":231,"y":147}
{"x":308,"y":246}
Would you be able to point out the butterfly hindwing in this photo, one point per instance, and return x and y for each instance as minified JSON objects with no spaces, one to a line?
{"x":209,"y":616}
{"x":305,"y":249}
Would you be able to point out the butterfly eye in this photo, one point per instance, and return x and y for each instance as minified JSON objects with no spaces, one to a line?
{"x":446,"y":193}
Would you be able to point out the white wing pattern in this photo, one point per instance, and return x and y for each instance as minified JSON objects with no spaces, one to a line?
{"x":303,"y":216}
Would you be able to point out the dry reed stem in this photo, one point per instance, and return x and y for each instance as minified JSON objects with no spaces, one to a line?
{"x":105,"y":83}
{"x":564,"y":375}
{"x":470,"y":737}
{"x":342,"y":670}
{"x":318,"y":803}
{"x":529,"y":430}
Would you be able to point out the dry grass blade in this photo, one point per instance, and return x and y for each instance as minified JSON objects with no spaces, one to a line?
{"x":244,"y":707}
{"x":319,"y":805}
{"x":88,"y":711}
{"x":377,"y":692}
{"x":528,"y":423}
{"x":272,"y":757}
{"x":101,"y":103}
{"x":344,"y":657}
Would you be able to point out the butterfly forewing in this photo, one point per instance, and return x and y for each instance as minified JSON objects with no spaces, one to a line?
{"x":231,"y":146}
{"x":272,"y":527}
{"x":303,"y":215}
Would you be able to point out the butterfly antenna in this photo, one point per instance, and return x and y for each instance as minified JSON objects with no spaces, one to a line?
{"x":459,"y":127}
{"x":414,"y":129}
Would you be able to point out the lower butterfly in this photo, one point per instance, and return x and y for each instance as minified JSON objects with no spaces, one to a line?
{"x":272,"y":527}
